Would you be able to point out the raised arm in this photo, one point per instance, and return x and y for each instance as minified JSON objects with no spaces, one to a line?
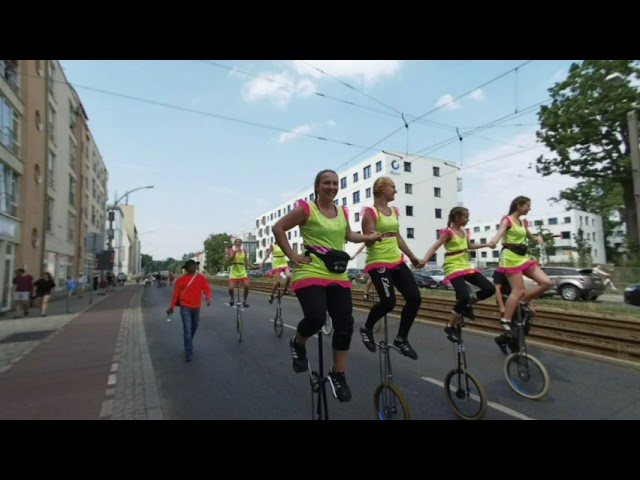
{"x":504,"y":225}
{"x":444,"y":237}
{"x":296,"y":217}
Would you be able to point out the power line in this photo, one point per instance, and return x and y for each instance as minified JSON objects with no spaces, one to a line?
{"x":200,"y":112}
{"x":438,"y":108}
{"x":351,"y":87}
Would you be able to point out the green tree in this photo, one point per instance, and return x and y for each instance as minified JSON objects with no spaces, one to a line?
{"x":542,"y":252}
{"x":583,"y":249}
{"x":585,"y":127}
{"x":215,"y":248}
{"x":147,"y":262}
{"x":601,"y":197}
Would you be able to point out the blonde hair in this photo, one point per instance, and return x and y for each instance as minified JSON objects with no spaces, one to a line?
{"x":379,"y":184}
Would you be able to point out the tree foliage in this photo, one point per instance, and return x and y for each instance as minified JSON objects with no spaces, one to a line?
{"x":585,"y":127}
{"x":215,"y":248}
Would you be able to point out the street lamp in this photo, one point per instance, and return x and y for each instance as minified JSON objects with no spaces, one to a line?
{"x":634,"y":149}
{"x":112,"y":216}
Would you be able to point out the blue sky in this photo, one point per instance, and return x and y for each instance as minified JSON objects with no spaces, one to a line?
{"x":214,"y":175}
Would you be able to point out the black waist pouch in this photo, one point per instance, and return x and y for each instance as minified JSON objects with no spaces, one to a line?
{"x":516,"y":248}
{"x":336,"y":261}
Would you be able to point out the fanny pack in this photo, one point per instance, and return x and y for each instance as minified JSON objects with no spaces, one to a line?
{"x":336,"y":261}
{"x":517,"y":248}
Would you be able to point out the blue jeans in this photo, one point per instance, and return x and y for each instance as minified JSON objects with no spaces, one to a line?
{"x":190,"y":318}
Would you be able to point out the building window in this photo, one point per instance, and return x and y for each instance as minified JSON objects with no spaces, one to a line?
{"x":586,"y":220}
{"x":472,"y":255}
{"x":476,"y":229}
{"x":566,"y":235}
{"x":72,"y":191}
{"x":538,"y":223}
{"x":50,"y":80}
{"x":437,"y":192}
{"x":367,"y":192}
{"x":289,"y":235}
{"x":438,"y":213}
{"x":257,"y":222}
{"x":9,"y":126}
{"x":495,"y":254}
{"x":51,"y":165}
{"x":378,"y":166}
{"x":356,"y":197}
{"x":9,"y":190}
{"x":483,"y":254}
{"x":567,"y":219}
{"x":72,"y":153}
{"x":343,"y":182}
{"x":594,"y":236}
{"x":487,"y":228}
{"x":408,"y":188}
{"x":407,"y":166}
{"x":344,"y":201}
{"x":366,"y":173}
{"x":409,"y":210}
{"x":553,"y":221}
{"x":436,"y":171}
{"x":71,"y":226}
{"x":355,"y":177}
{"x":50,"y":206}
{"x":409,"y":232}
{"x":357,"y":216}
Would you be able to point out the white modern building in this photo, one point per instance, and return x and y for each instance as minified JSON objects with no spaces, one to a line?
{"x":563,"y":223}
{"x":427,"y":189}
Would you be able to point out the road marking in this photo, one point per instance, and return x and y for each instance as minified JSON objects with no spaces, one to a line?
{"x":496,"y":406}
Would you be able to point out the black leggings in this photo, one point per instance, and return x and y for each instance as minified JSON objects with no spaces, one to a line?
{"x":385,"y":280}
{"x":316,"y":302}
{"x":462,"y":291}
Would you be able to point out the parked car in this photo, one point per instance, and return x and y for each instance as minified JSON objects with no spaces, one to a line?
{"x":632,"y":295}
{"x":254,"y":273}
{"x":528,"y":283}
{"x":357,"y":276}
{"x":575,"y":283}
{"x":425,"y":281}
{"x":224,"y":273}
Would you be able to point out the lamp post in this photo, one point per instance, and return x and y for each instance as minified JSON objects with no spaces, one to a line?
{"x":634,"y":149}
{"x":111,"y":213}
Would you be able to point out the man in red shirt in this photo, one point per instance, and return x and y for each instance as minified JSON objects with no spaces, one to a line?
{"x":24,"y":284}
{"x":189,"y":289}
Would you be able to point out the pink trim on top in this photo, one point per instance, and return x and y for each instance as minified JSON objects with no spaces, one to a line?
{"x":461,"y":273}
{"x":321,"y":282}
{"x":509,"y":221}
{"x":345,"y":210}
{"x":519,"y":268}
{"x":363,"y":210}
{"x":280,"y":269}
{"x":304,"y":204}
{"x":373,"y":266}
{"x":447,"y":230}
{"x":397,"y":211}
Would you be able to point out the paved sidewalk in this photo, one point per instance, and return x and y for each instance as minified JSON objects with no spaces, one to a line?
{"x":93,"y":364}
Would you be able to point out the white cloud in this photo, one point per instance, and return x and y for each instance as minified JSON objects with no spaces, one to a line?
{"x":447,"y":101}
{"x":286,"y":136}
{"x":273,"y":86}
{"x":477,"y":95}
{"x":502,"y":173}
{"x":367,"y":72}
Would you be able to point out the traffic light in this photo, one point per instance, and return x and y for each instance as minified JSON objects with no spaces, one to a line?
{"x":105,"y":260}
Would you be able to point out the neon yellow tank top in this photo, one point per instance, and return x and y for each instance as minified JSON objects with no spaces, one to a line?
{"x":238,"y":268}
{"x":386,"y":251}
{"x":279,"y":258}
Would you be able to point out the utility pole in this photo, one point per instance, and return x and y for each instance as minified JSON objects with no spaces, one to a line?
{"x":632,"y":123}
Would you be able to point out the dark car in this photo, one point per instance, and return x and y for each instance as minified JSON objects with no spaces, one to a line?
{"x":632,"y":295}
{"x":425,"y":281}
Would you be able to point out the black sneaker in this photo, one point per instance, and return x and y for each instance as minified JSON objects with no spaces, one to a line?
{"x":501,"y":341}
{"x":405,"y":348}
{"x":271,"y":299}
{"x":231,"y":302}
{"x":367,"y":338}
{"x":513,"y":344}
{"x":299,"y":356}
{"x":245,"y":304}
{"x":452,"y":334}
{"x":506,"y":325}
{"x":338,"y":383}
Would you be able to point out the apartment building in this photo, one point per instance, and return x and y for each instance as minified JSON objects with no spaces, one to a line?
{"x":52,"y":175}
{"x":565,"y":224}
{"x":427,"y":189}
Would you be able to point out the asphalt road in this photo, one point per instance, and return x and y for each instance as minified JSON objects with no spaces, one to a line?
{"x":254,"y":380}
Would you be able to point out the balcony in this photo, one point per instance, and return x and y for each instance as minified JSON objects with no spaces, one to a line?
{"x":9,"y":71}
{"x":9,"y":139}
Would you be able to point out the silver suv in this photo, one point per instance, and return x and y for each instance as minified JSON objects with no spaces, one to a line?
{"x":575,"y":283}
